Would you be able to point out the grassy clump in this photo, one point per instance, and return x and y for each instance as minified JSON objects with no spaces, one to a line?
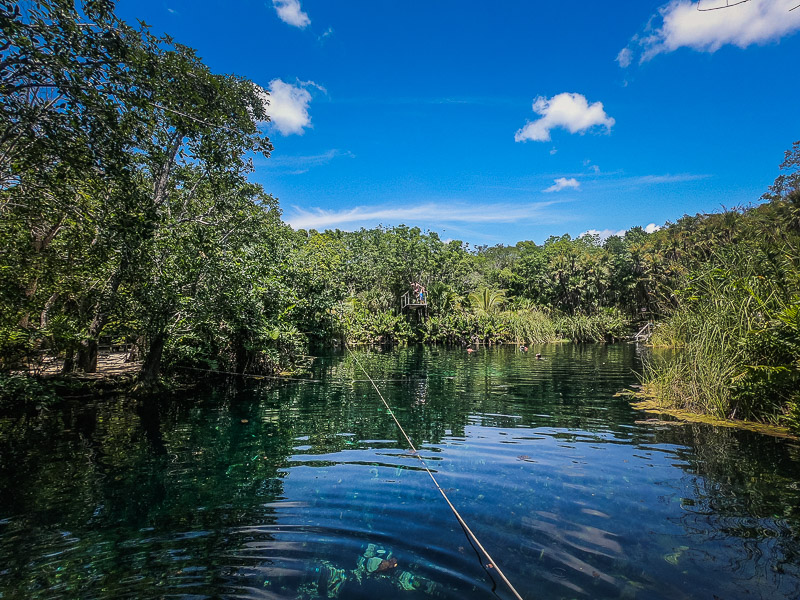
{"x":736,"y":341}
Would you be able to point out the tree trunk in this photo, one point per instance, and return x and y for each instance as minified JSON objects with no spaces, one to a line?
{"x":30,"y":292}
{"x":151,"y":368}
{"x":87,"y":352}
{"x":135,"y":353}
{"x":69,"y":362}
{"x":241,"y":354}
{"x":44,"y":320}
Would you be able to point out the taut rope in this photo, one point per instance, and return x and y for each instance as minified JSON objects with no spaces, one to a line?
{"x":473,"y":538}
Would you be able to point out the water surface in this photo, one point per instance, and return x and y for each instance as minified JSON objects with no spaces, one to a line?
{"x":307,"y":490}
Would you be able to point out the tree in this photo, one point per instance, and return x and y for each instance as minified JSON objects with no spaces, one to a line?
{"x":114,"y":145}
{"x":789,"y":181}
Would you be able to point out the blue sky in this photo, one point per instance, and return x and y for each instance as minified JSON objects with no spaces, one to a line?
{"x":500,"y":122}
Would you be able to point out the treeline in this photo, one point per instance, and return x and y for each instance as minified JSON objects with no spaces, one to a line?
{"x":127,"y":215}
{"x":581,"y":289}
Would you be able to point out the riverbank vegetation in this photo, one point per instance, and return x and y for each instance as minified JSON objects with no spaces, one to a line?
{"x":735,"y":319}
{"x":128,"y":218}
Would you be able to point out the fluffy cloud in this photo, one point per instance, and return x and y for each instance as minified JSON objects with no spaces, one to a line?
{"x":562,"y":183}
{"x":604,"y":234}
{"x":288,"y":106}
{"x":568,"y":111}
{"x":680,"y":25}
{"x":289,"y":11}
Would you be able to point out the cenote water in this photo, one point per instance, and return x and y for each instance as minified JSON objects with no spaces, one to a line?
{"x":307,"y":490}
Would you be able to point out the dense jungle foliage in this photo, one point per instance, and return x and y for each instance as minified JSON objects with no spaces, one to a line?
{"x":127,"y":216}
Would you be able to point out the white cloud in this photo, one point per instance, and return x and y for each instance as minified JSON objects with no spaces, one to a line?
{"x":679,"y":24}
{"x":325,"y":35}
{"x":593,"y":168}
{"x":562,"y":183}
{"x":289,"y":11}
{"x":288,"y":106}
{"x":568,"y":111}
{"x":625,"y":57}
{"x":297,"y":165}
{"x":430,"y":214}
{"x":659,"y":179}
{"x":604,"y":234}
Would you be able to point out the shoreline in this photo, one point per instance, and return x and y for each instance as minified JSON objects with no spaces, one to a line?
{"x":641,"y":401}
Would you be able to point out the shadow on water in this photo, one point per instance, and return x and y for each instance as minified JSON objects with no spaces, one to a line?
{"x":306,"y":490}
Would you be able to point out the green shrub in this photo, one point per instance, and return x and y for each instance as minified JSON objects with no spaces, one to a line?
{"x":22,"y":392}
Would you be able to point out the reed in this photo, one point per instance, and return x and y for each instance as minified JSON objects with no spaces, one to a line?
{"x":736,"y":343}
{"x":531,"y":326}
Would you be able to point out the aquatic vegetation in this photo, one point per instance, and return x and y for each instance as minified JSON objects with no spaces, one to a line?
{"x":674,"y":557}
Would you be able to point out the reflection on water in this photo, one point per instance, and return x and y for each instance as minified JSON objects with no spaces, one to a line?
{"x":306,"y":490}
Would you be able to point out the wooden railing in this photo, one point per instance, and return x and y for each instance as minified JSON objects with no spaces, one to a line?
{"x":412,"y":299}
{"x":644,"y":333}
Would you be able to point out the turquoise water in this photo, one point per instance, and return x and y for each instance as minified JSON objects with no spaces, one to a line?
{"x":307,"y":490}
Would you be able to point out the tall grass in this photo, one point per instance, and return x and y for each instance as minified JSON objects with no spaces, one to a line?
{"x":526,"y":326}
{"x":607,"y":325}
{"x":736,"y":350}
{"x":530,"y":326}
{"x":698,"y":375}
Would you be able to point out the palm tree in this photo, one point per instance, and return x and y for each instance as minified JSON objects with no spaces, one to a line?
{"x":487,"y":300}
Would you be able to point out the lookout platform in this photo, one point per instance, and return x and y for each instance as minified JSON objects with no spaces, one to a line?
{"x":413,"y":300}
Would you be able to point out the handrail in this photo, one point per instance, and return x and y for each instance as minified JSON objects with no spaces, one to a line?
{"x":412,"y":299}
{"x":644,"y":333}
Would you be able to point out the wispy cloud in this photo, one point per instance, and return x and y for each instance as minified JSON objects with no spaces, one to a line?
{"x":297,"y":165}
{"x":432,"y":214}
{"x":625,"y":57}
{"x":325,"y":35}
{"x":289,"y":12}
{"x":562,"y":183}
{"x":660,"y":179}
{"x":567,"y":111}
{"x":679,"y":24}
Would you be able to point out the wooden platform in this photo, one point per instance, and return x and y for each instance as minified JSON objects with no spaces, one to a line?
{"x":412,"y":300}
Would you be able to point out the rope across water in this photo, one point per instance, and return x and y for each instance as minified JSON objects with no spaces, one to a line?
{"x":473,"y":538}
